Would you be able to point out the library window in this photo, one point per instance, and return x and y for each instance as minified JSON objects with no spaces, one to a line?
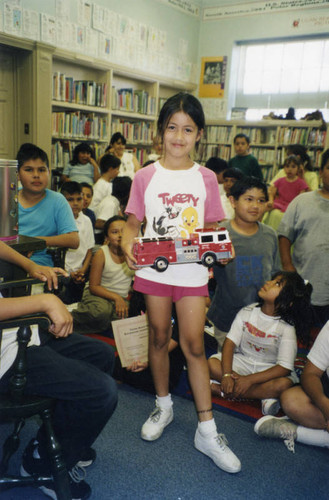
{"x":276,"y":76}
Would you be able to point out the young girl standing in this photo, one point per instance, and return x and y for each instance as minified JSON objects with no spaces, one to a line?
{"x":176,"y":196}
{"x":284,"y":190}
{"x":258,"y":355}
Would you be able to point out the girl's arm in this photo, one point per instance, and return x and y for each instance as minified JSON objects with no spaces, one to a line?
{"x":96,"y":169}
{"x":96,"y":288}
{"x":136,"y":163}
{"x":227,"y":381}
{"x":272,"y":192}
{"x":131,"y":231}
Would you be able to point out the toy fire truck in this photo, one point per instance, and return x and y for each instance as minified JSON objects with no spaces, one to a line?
{"x":204,"y":245}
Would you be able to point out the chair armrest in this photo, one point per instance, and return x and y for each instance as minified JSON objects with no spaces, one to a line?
{"x":42,"y":320}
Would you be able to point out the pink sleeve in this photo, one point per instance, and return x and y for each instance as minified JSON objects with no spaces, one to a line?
{"x":213,"y":210}
{"x":136,"y":205}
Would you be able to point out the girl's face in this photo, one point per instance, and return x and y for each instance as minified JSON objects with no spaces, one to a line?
{"x":291,"y":170}
{"x":87,"y":197}
{"x":83,"y":157}
{"x":271,"y":290}
{"x":114,"y":234}
{"x":180,"y":135}
{"x":228,"y":182}
{"x":118,"y":148}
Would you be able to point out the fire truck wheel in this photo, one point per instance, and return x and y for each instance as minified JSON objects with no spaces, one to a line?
{"x":208,"y":259}
{"x":161,"y":264}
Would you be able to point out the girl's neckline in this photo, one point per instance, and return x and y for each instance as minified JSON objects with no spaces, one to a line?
{"x":176,"y":169}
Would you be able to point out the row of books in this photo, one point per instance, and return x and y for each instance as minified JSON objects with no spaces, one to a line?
{"x":62,"y":151}
{"x":206,"y":151}
{"x":269,"y":173}
{"x":306,"y":136}
{"x":216,"y":134}
{"x":264,"y":156}
{"x":134,"y":132}
{"x":85,"y":92}
{"x":258,"y":135}
{"x":134,"y":101}
{"x":78,"y":124}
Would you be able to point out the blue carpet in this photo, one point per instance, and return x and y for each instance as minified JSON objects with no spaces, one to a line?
{"x":171,"y":469}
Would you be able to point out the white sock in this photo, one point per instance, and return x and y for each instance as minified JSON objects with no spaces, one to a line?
{"x":316,"y":437}
{"x":36,"y":453}
{"x":213,"y":381}
{"x":164,"y":401}
{"x":207,"y":427}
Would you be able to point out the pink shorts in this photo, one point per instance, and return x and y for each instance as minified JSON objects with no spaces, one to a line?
{"x":176,"y":292}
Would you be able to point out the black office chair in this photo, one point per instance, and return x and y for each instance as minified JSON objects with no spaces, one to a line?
{"x":17,"y":407}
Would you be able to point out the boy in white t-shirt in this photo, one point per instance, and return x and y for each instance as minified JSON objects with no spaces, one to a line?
{"x":109,"y":166}
{"x":77,"y":262}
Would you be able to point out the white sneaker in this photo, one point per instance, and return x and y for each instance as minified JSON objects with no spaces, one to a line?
{"x":157,"y":421}
{"x":215,"y":447}
{"x":270,"y":406}
{"x":280,"y":428}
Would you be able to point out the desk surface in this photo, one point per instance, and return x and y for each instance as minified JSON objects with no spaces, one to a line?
{"x":25,"y":244}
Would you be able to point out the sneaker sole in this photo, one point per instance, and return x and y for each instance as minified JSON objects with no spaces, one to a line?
{"x":264,"y":419}
{"x":220,"y":465}
{"x":154,"y":437}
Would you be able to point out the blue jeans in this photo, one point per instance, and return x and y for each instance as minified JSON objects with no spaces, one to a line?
{"x":76,"y":371}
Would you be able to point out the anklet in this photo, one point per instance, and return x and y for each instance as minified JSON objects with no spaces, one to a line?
{"x":204,"y":411}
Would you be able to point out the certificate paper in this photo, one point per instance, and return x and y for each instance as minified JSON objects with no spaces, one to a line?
{"x":131,"y":339}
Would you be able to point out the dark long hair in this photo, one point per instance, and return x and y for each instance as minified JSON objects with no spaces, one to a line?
{"x":293,"y":304}
{"x":83,"y":147}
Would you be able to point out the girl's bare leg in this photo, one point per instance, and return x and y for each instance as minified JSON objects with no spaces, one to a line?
{"x":159,"y":316}
{"x":191,"y":320}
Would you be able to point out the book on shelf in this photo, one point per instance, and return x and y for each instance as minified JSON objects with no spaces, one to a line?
{"x":78,"y":124}
{"x":135,"y":132}
{"x":62,"y":151}
{"x":85,"y":92}
{"x":133,"y":101}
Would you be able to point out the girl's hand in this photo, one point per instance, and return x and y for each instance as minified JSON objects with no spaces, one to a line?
{"x":62,"y":321}
{"x":137,"y":366}
{"x":45,"y":273}
{"x":227,"y":386}
{"x":241,"y":386}
{"x":121,"y":307}
{"x":269,"y":206}
{"x":130,"y":259}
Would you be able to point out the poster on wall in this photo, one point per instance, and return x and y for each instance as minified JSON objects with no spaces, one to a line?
{"x":212,"y":78}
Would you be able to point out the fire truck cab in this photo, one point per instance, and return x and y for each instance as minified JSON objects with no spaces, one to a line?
{"x":205,"y":246}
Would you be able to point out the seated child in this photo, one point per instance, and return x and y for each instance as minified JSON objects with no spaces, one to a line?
{"x":106,"y":297}
{"x":139,"y":374}
{"x":307,"y":406}
{"x":218,"y":166}
{"x":284,"y":191}
{"x":87,"y":195}
{"x":243,"y":160}
{"x":109,"y":166}
{"x":42,"y":213}
{"x":157,"y":149}
{"x":82,"y":167}
{"x":111,"y":205}
{"x":258,"y":355}
{"x":230,"y":176}
{"x":77,"y":261}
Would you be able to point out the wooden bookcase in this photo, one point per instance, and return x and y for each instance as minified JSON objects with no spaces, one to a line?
{"x":269,"y":140}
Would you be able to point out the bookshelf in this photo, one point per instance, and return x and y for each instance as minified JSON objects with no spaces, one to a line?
{"x":92,"y":99}
{"x":269,"y":140}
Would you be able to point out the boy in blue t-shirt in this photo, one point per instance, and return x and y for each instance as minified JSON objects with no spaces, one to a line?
{"x":42,"y":213}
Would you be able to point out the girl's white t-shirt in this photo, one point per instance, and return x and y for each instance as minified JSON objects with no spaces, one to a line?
{"x":175,"y":203}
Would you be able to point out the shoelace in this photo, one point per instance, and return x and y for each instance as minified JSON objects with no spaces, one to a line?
{"x":287,"y":434}
{"x":222,"y":441}
{"x":156,"y":414}
{"x":77,"y":473}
